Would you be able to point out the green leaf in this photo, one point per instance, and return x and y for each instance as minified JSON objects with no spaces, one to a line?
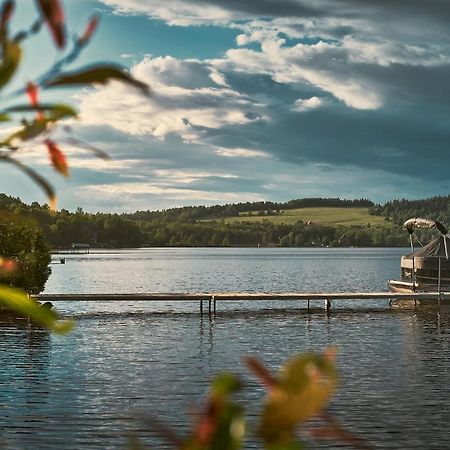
{"x":225,"y":384}
{"x":11,"y":59}
{"x":303,"y":388}
{"x":41,"y":181}
{"x":30,"y":130}
{"x":18,"y":301}
{"x":97,"y":74}
{"x":56,"y":111}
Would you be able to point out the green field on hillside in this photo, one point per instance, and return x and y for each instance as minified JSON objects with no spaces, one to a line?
{"x":321,"y":215}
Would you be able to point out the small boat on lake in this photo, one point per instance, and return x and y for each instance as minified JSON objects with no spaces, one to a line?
{"x":426,"y":269}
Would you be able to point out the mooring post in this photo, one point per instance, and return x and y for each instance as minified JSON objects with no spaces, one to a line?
{"x":201,"y":307}
{"x":214,"y":301}
{"x":327,"y":304}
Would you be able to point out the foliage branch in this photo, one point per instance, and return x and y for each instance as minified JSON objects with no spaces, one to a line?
{"x":36,"y":122}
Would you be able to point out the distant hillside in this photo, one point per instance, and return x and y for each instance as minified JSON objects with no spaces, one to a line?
{"x":332,"y":216}
{"x":230,"y":210}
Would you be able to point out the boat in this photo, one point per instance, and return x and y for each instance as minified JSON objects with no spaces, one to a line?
{"x":426,"y":269}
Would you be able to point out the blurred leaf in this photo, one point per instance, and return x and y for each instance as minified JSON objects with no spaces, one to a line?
{"x":52,"y":12}
{"x":18,"y":301}
{"x":7,"y":265}
{"x":97,"y":74}
{"x":303,"y":388}
{"x":5,"y":14}
{"x":332,"y":430}
{"x":41,"y":181}
{"x":79,"y":143}
{"x":57,"y":158}
{"x":32,"y":92}
{"x":56,"y":111}
{"x":225,"y":384}
{"x":261,"y":372}
{"x":10,"y":61}
{"x":222,"y":424}
{"x":30,"y":130}
{"x":90,"y":29}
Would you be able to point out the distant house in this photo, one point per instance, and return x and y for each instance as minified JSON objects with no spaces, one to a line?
{"x":77,"y":247}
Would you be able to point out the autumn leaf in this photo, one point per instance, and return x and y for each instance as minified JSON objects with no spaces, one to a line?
{"x":7,"y":265}
{"x":89,"y":31}
{"x":32,"y":92}
{"x":57,"y":158}
{"x":5,"y":14}
{"x":52,"y":12}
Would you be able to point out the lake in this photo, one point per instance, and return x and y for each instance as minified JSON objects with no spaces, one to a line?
{"x":127,"y":361}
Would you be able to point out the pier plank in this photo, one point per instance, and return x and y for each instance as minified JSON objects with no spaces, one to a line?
{"x":239,"y":296}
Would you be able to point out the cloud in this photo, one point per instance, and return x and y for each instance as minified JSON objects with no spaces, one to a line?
{"x":241,"y":153}
{"x":311,"y":98}
{"x":186,"y":100}
{"x":194,"y":12}
{"x":304,"y":104}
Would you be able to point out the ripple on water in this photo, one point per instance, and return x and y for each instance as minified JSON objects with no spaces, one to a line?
{"x":123,"y":361}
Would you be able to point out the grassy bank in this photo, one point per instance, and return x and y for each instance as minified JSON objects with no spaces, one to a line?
{"x":332,"y":216}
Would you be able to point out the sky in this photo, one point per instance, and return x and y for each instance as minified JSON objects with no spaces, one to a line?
{"x":252,"y":100}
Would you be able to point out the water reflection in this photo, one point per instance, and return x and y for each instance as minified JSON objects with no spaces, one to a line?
{"x":24,"y":374}
{"x":86,"y":389}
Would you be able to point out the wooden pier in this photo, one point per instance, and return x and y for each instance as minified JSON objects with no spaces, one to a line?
{"x":213,"y":297}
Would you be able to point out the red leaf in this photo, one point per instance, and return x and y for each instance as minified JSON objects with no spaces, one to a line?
{"x":89,"y":31}
{"x":6,"y":13}
{"x":57,"y":158}
{"x":261,"y":372}
{"x":53,"y":14}
{"x":7,"y":265}
{"x":32,"y":92}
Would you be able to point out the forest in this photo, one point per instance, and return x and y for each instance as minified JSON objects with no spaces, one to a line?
{"x":205,"y":226}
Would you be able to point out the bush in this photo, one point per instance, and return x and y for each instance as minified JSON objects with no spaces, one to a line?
{"x":25,"y":244}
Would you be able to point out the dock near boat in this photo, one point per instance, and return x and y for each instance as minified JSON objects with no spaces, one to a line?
{"x":307,"y":299}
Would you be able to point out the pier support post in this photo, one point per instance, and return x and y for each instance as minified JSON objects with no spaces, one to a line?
{"x":327,"y":305}
{"x":209,"y":306}
{"x":201,"y":307}
{"x":308,"y":305}
{"x":214,"y":302}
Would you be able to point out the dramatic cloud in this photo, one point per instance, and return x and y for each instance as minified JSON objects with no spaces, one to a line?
{"x":187,"y":98}
{"x":301,"y":98}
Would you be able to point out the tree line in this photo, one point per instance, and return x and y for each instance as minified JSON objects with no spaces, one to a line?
{"x":187,"y":226}
{"x":401,"y":210}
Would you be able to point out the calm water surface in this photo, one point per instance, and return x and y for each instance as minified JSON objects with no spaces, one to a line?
{"x":127,"y":360}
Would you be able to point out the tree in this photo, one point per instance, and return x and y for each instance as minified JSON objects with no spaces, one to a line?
{"x":26,"y":246}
